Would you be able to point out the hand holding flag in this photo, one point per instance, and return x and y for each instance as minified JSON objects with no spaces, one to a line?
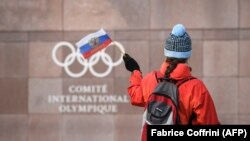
{"x":93,"y":43}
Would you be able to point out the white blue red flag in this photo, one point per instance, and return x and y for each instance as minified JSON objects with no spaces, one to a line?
{"x":93,"y":43}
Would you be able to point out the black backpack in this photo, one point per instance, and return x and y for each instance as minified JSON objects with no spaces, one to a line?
{"x":162,"y":104}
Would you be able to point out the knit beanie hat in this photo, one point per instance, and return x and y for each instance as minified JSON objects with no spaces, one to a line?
{"x":178,"y":43}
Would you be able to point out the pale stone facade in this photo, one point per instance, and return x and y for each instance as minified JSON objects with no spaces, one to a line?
{"x":29,"y":30}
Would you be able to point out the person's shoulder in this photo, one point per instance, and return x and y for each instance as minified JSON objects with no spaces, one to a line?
{"x":151,"y":75}
{"x":196,"y":81}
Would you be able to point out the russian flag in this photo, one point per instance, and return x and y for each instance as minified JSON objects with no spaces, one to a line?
{"x":93,"y":42}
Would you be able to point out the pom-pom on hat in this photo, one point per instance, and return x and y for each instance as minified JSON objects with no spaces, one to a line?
{"x":178,"y":43}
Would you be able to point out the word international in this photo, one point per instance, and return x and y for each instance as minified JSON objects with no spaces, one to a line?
{"x":198,"y":132}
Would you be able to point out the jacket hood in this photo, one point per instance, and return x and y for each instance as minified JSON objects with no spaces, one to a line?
{"x":181,"y":71}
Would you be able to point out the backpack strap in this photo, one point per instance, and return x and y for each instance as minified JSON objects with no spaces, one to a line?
{"x":177,"y":82}
{"x":159,"y":77}
{"x":180,"y":82}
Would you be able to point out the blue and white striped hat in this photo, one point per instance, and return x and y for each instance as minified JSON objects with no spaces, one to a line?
{"x":178,"y":43}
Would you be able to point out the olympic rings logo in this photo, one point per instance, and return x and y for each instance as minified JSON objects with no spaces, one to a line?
{"x":87,"y":64}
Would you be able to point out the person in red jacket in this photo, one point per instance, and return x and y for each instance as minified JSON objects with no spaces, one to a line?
{"x":196,"y":105}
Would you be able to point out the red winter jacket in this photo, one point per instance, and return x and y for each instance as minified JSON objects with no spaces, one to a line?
{"x":193,"y":95}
